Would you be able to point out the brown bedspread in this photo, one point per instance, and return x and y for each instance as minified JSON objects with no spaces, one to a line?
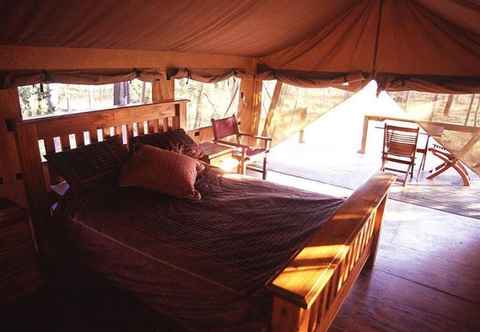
{"x":203,"y":262}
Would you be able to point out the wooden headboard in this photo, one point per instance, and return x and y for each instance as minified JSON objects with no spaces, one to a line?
{"x":39,"y":136}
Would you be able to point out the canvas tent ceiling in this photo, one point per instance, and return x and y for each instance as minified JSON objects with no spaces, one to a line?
{"x":237,"y":27}
{"x":427,"y":45}
{"x":423,"y":45}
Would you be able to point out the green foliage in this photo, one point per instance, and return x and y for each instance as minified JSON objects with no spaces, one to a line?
{"x":41,"y":100}
{"x":35,"y":100}
{"x":208,"y":100}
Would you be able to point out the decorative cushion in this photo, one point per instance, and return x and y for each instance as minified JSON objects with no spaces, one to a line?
{"x":174,"y":140}
{"x":92,"y":164}
{"x":161,"y":170}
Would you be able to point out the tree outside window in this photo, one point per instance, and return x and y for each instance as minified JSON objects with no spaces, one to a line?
{"x":208,"y":100}
{"x":40,"y":100}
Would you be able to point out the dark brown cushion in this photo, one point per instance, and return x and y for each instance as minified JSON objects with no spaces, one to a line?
{"x":161,"y":170}
{"x":174,"y":140}
{"x":92,"y":164}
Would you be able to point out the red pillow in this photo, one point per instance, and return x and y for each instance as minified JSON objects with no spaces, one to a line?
{"x":90,"y":165}
{"x":161,"y":170}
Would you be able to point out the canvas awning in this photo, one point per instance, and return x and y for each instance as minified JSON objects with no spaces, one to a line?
{"x":426,"y":45}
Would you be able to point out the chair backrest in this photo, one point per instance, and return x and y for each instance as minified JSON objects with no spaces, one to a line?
{"x":225,"y":127}
{"x":400,"y":141}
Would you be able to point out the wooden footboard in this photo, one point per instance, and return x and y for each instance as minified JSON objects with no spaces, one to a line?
{"x":310,"y":290}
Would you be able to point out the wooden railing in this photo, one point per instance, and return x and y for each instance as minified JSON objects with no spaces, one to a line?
{"x":309,"y":291}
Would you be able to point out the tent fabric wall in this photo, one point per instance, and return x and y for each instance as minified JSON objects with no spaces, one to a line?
{"x":344,"y":45}
{"x":287,"y":109}
{"x":427,"y":45}
{"x":404,"y":45}
{"x":205,"y":75}
{"x":236,"y":27}
{"x":93,"y":77}
{"x":345,"y":81}
{"x":427,"y":52}
{"x":433,"y":84}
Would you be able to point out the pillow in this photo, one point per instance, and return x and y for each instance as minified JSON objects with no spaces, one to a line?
{"x":159,"y":140}
{"x":161,"y":170}
{"x":174,"y":140}
{"x":183,"y":143}
{"x":97,"y":163}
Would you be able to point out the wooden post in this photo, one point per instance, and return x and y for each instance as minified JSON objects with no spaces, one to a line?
{"x":249,"y":104}
{"x":472,"y":98}
{"x":11,"y":184}
{"x":33,"y":177}
{"x":162,"y":90}
{"x":180,"y":116}
{"x":448,"y":105}
{"x":366,"y":119}
{"x":288,"y":317}
{"x":376,"y":234}
{"x":273,"y":106}
{"x":301,"y":138}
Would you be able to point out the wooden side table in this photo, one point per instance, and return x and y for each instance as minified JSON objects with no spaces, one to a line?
{"x":217,"y":154}
{"x":19,"y":263}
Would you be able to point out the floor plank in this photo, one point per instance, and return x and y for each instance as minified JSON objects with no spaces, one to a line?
{"x":383,"y":302}
{"x":426,"y":276}
{"x":459,"y":279}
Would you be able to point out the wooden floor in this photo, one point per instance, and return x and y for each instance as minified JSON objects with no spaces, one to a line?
{"x":426,"y":278}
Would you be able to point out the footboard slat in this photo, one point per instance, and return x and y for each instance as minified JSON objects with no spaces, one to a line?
{"x":307,"y":296}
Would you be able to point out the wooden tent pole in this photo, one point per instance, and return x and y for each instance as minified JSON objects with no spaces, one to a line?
{"x":272,"y":108}
{"x":469,"y":109}
{"x":475,"y":122}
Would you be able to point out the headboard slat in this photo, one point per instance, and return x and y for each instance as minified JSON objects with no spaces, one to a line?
{"x":106,"y":133}
{"x":80,"y":139}
{"x":141,"y":128}
{"x":166,"y":124}
{"x":93,"y":135}
{"x":65,"y":139}
{"x":129,"y":131}
{"x":49,"y":145}
{"x":117,"y":130}
{"x":152,"y":128}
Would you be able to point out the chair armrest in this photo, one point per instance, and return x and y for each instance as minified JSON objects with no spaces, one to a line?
{"x":266,"y":140}
{"x":257,"y":137}
{"x":237,"y":145}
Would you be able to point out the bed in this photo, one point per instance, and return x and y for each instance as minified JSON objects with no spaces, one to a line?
{"x":251,"y":255}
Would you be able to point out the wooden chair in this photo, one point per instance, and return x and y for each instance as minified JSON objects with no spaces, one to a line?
{"x":399,"y":146}
{"x":448,"y":161}
{"x":226,"y":131}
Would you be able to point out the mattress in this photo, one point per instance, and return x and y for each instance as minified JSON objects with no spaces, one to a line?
{"x":203,"y":262}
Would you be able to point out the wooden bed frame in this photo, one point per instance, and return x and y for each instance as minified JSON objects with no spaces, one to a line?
{"x":308,"y":293}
